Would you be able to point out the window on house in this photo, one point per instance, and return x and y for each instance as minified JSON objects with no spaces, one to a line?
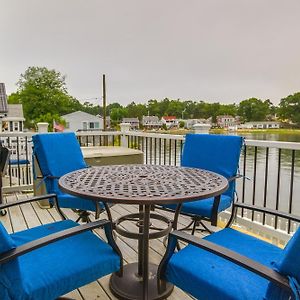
{"x":97,"y":125}
{"x":16,"y":126}
{"x":67,"y":125}
{"x":84,"y":125}
{"x":91,"y":125}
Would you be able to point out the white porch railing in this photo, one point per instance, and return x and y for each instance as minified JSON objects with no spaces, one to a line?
{"x":273,"y":169}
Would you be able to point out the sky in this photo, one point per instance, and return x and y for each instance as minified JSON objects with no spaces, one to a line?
{"x":213,"y":50}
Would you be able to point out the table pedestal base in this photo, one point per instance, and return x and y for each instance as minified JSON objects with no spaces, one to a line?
{"x":130,"y":285}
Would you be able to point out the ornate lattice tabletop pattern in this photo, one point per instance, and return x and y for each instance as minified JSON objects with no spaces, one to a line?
{"x":143,"y":184}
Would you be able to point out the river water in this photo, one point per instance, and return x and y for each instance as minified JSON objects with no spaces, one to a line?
{"x":287,"y":192}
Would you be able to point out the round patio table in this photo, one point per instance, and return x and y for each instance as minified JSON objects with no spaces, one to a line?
{"x":145,"y":185}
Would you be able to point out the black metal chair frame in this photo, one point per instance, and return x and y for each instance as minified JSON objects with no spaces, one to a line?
{"x":196,"y":220}
{"x":82,"y":214}
{"x":30,"y":246}
{"x":4,"y":158}
{"x":243,"y":261}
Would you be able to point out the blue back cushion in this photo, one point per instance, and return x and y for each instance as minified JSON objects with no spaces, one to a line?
{"x":289,"y":264}
{"x":58,"y":153}
{"x":216,"y":153}
{"x":6,"y":242}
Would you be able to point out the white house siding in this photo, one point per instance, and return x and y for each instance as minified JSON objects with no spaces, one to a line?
{"x":13,"y":121}
{"x":262,"y":125}
{"x":82,"y":121}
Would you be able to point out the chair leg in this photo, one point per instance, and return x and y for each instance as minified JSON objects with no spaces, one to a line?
{"x":3,"y":213}
{"x":84,"y":216}
{"x":194,"y":227}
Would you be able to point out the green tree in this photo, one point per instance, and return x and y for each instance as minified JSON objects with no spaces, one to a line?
{"x":289,"y":108}
{"x":254,"y":109}
{"x":117,"y":114}
{"x":49,"y":118}
{"x":136,"y":110}
{"x":44,"y":95}
{"x":92,"y":109}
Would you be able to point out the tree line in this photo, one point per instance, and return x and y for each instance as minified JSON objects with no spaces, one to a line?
{"x":45,"y":98}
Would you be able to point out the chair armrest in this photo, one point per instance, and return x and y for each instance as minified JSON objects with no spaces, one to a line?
{"x":268,"y":211}
{"x":30,"y":246}
{"x":33,"y":199}
{"x":234,"y":257}
{"x":237,"y":177}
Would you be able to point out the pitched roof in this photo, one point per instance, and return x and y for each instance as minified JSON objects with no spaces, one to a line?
{"x":169,"y":118}
{"x":3,"y":99}
{"x":80,"y":113}
{"x":15,"y":111}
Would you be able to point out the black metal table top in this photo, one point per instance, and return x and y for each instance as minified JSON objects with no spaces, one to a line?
{"x":143,"y":184}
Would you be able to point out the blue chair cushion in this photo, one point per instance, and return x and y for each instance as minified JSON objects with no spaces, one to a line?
{"x":286,"y":264}
{"x":58,"y":153}
{"x":210,"y":277}
{"x":216,"y":153}
{"x":6,"y":242}
{"x":203,"y":208}
{"x":70,"y":201}
{"x":58,"y":268}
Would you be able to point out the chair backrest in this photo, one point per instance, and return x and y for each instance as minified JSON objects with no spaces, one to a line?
{"x":216,"y":153}
{"x":289,"y":263}
{"x":4,"y":158}
{"x":57,"y":154}
{"x":6,"y":242}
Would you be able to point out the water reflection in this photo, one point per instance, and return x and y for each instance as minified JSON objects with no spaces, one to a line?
{"x":275,"y":184}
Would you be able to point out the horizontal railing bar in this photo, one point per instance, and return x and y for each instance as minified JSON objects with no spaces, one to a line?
{"x":258,"y":143}
{"x":99,"y":133}
{"x":273,"y":144}
{"x":17,"y":134}
{"x":155,"y":135}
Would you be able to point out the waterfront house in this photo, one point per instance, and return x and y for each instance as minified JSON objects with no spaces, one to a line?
{"x":134,"y":122}
{"x":82,"y":121}
{"x":13,"y":120}
{"x":225,"y":121}
{"x":189,"y":123}
{"x":151,"y":122}
{"x":262,"y":125}
{"x":169,"y":121}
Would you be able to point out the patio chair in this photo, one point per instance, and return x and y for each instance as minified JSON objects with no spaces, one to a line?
{"x":233,"y":265}
{"x":56,"y":155}
{"x":50,"y":260}
{"x":216,"y":153}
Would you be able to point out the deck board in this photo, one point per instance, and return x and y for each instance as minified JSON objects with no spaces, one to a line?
{"x":30,"y":215}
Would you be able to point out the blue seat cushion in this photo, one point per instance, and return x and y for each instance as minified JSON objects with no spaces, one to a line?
{"x":60,"y":267}
{"x":70,"y":201}
{"x":208,"y":276}
{"x":203,"y":208}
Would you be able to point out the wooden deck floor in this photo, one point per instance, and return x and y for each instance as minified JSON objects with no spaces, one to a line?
{"x":31,"y":215}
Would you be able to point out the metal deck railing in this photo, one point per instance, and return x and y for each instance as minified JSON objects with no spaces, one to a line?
{"x":271,"y":171}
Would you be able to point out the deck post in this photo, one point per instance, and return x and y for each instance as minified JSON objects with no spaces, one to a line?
{"x":125,"y":127}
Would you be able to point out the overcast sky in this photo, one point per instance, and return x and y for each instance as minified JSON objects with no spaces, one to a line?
{"x":213,"y":50}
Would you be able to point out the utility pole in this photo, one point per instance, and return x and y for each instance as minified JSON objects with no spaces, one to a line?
{"x":104,"y":101}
